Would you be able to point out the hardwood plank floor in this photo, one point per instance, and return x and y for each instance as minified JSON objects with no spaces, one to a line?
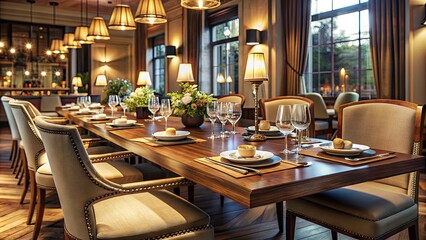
{"x":232,"y":221}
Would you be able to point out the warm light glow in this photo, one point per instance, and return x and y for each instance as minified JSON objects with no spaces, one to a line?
{"x":150,"y":12}
{"x":27,"y":73}
{"x":98,"y":29}
{"x":220,"y":78}
{"x":256,"y":68}
{"x":9,"y":73}
{"x":69,"y":41}
{"x":76,"y":81}
{"x":62,"y":56}
{"x":144,"y":79}
{"x":43,"y":74}
{"x":228,"y":79}
{"x":105,"y":67}
{"x":80,"y":35}
{"x":200,"y":4}
{"x":28,"y":46}
{"x":1,"y":44}
{"x":185,"y":73}
{"x":101,"y":80}
{"x":57,"y":73}
{"x":56,"y":46}
{"x":12,"y":50}
{"x":122,"y":18}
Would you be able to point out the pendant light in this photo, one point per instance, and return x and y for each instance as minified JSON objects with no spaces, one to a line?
{"x":56,"y":44}
{"x":69,"y":41}
{"x":122,"y":18}
{"x":150,"y":12}
{"x":81,"y":31}
{"x":28,"y":45}
{"x":200,"y":4}
{"x":98,"y":29}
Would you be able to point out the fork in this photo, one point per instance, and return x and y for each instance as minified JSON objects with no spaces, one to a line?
{"x":256,"y":171}
{"x":369,"y":157}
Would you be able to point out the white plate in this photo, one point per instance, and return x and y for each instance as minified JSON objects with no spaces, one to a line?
{"x":273,"y":130}
{"x":233,"y":156}
{"x":163,"y":136}
{"x":128,"y":123}
{"x":355,"y":150}
{"x":268,"y":162}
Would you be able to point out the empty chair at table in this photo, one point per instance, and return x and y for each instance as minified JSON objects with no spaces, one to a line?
{"x":235,"y":98}
{"x":49,"y":103}
{"x":323,"y":118}
{"x":16,"y":138}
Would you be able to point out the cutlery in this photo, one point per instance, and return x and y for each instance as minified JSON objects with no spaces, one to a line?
{"x":256,"y":171}
{"x":239,"y":170}
{"x":298,"y":164}
{"x":369,"y":157}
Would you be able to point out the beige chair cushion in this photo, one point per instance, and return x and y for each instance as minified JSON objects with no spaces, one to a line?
{"x":146,"y":215}
{"x":331,"y":112}
{"x":271,"y":107}
{"x":93,"y":151}
{"x":233,"y":99}
{"x":50,"y":114}
{"x":321,"y":125}
{"x":319,"y":106}
{"x":358,"y":208}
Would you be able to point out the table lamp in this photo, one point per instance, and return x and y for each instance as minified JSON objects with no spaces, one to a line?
{"x":144,"y":79}
{"x":256,"y":74}
{"x":185,"y":73}
{"x":76,"y":82}
{"x":101,"y":80}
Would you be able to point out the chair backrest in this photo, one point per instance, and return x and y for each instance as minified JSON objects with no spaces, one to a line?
{"x":319,"y":105}
{"x":31,"y":109}
{"x":391,"y":125}
{"x":50,"y":102}
{"x":343,"y":98}
{"x":235,"y":98}
{"x":77,"y":182}
{"x":30,"y":137}
{"x":269,"y":108}
{"x":10,"y":119}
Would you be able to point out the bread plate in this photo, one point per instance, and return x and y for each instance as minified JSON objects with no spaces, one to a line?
{"x":355,"y":150}
{"x":164,"y":137}
{"x":233,"y":156}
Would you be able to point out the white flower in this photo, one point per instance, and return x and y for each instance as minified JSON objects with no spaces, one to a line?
{"x":132,"y":94}
{"x":186,"y":98}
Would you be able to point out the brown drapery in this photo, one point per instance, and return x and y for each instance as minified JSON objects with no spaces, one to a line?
{"x":194,"y":40}
{"x":387,"y":44}
{"x":296,"y":24}
{"x":141,"y":44}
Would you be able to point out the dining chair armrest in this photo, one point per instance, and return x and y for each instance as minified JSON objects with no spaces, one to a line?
{"x":57,"y":120}
{"x":110,"y":156}
{"x":151,"y":185}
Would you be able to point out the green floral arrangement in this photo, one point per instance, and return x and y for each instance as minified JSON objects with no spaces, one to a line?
{"x":191,"y":101}
{"x":119,"y":86}
{"x":139,"y":98}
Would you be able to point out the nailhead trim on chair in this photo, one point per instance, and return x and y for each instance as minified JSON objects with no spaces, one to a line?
{"x":181,"y":232}
{"x":111,"y":157}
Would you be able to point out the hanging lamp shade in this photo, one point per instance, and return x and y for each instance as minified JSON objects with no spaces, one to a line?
{"x":101,"y":80}
{"x":98,"y":29}
{"x":56,"y":46}
{"x":185,"y":73}
{"x":150,"y":12}
{"x":200,"y":4}
{"x":122,"y":18}
{"x":69,"y":41}
{"x":80,"y":35}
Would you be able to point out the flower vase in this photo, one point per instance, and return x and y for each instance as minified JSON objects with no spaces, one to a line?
{"x":142,"y":112}
{"x":194,"y":121}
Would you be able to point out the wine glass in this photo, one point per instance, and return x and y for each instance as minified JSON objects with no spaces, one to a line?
{"x":165,"y":110}
{"x":223,"y":115}
{"x":87,"y":101}
{"x":153,"y":105}
{"x":235,"y":113}
{"x":112,"y":102}
{"x":212,"y":113}
{"x":283,"y":123}
{"x":123,"y":104}
{"x":301,"y":119}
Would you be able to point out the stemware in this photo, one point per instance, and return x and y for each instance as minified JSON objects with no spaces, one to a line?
{"x":87,"y":101}
{"x":123,"y":104}
{"x":235,"y":113}
{"x":223,"y":115}
{"x":165,"y":110}
{"x":112,"y":102}
{"x":153,"y":106}
{"x":212,"y":113}
{"x":300,"y":119}
{"x":283,"y":123}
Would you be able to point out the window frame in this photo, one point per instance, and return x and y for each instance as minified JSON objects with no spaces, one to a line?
{"x":155,"y":58}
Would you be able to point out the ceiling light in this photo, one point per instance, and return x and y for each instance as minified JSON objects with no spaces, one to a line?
{"x":150,"y":12}
{"x":98,"y":29}
{"x":200,"y":4}
{"x":81,"y":31}
{"x":56,"y":44}
{"x":69,"y":41}
{"x":1,"y":44}
{"x":122,"y":18}
{"x":12,"y":50}
{"x":28,"y":46}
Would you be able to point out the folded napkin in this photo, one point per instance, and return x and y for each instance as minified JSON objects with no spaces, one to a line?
{"x":154,"y":142}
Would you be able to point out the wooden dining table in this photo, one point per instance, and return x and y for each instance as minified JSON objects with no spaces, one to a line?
{"x":251,"y":191}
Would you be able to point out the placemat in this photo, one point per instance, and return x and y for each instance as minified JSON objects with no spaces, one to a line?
{"x":151,"y":141}
{"x":274,"y":168}
{"x":318,"y":153}
{"x":111,"y":128}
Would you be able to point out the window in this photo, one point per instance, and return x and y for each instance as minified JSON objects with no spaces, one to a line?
{"x":224,"y":51}
{"x":339,"y":49}
{"x":159,"y":64}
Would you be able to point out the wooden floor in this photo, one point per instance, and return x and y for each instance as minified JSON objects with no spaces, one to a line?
{"x":231,"y":221}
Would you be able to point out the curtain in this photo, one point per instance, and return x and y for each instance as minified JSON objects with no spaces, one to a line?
{"x":194,"y":40}
{"x":141,"y":44}
{"x":387,"y":45}
{"x":296,"y":24}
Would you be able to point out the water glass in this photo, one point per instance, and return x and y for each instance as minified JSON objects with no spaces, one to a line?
{"x":87,"y":101}
{"x":235,"y":112}
{"x":283,"y":123}
{"x":153,"y":105}
{"x":223,"y":115}
{"x":165,"y":110}
{"x":212,"y":113}
{"x":123,"y":104}
{"x":113,"y":101}
{"x":300,"y":119}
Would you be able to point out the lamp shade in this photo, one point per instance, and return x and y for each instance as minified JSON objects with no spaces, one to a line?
{"x":98,"y":29}
{"x":101,"y":80}
{"x":220,"y":78}
{"x":228,"y":79}
{"x":80,"y":35}
{"x":256,"y":68}
{"x":144,"y":79}
{"x":56,"y":46}
{"x":76,"y":81}
{"x":69,"y":41}
{"x":150,"y":12}
{"x":200,"y":4}
{"x":122,"y":18}
{"x":185,"y":73}
{"x":252,"y":36}
{"x":170,"y":51}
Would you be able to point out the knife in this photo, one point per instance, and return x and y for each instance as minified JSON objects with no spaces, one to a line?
{"x":369,"y":157}
{"x":257,"y":171}
{"x":241,"y":169}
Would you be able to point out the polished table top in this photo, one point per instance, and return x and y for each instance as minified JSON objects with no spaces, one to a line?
{"x":252,"y":191}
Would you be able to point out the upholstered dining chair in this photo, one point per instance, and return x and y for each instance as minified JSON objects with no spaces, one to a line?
{"x":236,"y":98}
{"x":49,"y":103}
{"x":374,"y":209}
{"x":39,"y":175}
{"x":106,"y":210}
{"x":269,"y":107}
{"x":323,"y":118}
{"x":343,"y":98}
